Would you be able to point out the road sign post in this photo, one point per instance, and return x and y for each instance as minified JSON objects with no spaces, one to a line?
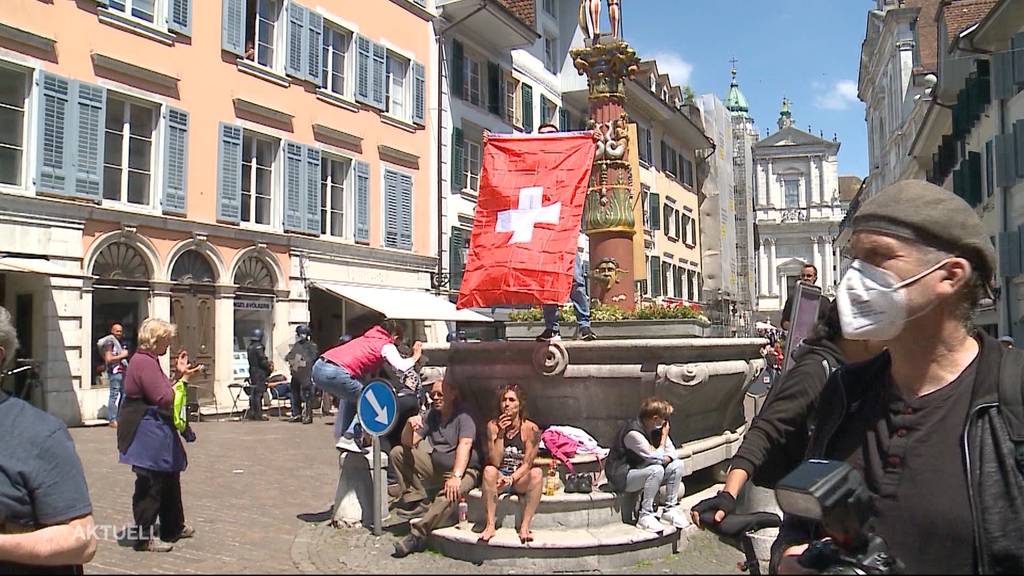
{"x":378,"y":410}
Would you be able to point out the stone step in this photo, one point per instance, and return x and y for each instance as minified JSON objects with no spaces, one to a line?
{"x":564,"y":550}
{"x":560,"y":511}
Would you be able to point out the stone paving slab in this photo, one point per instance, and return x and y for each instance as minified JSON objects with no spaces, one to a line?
{"x":259,"y":497}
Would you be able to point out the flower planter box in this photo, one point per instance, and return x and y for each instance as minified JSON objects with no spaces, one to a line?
{"x":615,"y":330}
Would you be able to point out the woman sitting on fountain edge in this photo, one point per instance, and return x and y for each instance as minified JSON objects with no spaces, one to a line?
{"x":513,"y":443}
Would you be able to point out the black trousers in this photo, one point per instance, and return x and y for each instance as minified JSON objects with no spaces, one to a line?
{"x":256,"y":400}
{"x":158,"y":496}
{"x":302,"y":395}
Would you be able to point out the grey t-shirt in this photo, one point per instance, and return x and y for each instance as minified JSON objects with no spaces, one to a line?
{"x":41,"y":477}
{"x":444,"y":438}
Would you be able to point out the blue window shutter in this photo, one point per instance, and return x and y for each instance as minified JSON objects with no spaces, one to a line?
{"x":392,"y":209}
{"x":563,"y":120}
{"x":294,"y":186}
{"x":232,"y":27}
{"x":405,"y":212}
{"x":1017,"y":45}
{"x":1006,"y":175}
{"x":458,"y":172}
{"x":379,"y":76}
{"x":179,"y":16}
{"x":655,"y":277}
{"x":458,"y":241}
{"x":312,"y":200}
{"x":295,"y":33}
{"x":458,"y":70}
{"x":1002,"y":76}
{"x":527,"y":108}
{"x":55,"y":145}
{"x":314,"y":46}
{"x":229,"y":174}
{"x":364,"y":91}
{"x":655,"y":210}
{"x":362,"y":179}
{"x":1018,"y":140}
{"x":90,"y":117}
{"x":419,"y":94}
{"x":175,"y":197}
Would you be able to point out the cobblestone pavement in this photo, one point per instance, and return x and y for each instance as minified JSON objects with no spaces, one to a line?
{"x":258,"y":495}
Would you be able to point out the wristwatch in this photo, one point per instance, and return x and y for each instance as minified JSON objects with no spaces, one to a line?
{"x":458,"y":475}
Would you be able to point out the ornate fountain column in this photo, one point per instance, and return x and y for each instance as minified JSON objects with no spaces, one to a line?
{"x":608,"y":62}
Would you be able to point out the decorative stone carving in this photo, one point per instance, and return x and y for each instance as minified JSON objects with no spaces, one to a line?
{"x":607,"y":273}
{"x":551,"y":360}
{"x":684,"y":374}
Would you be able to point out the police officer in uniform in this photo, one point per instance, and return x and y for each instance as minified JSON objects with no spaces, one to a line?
{"x":300,"y":359}
{"x":259,"y":369}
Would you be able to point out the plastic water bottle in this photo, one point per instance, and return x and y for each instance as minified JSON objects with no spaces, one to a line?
{"x":463,"y":513}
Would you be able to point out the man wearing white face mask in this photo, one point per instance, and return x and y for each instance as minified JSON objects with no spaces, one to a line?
{"x":930,"y":423}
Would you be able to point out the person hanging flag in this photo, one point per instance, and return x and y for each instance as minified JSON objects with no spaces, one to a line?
{"x":527,"y":222}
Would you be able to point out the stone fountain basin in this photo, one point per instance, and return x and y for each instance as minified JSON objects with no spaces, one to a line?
{"x":598,"y":385}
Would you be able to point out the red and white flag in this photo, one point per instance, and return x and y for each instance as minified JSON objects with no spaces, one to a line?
{"x":527,"y":221}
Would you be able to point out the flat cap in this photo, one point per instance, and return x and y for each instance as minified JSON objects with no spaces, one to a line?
{"x":932,"y":216}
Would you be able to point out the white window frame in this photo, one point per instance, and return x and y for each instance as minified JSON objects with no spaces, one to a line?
{"x":406,"y":89}
{"x":276,"y":63}
{"x":155,"y":153}
{"x":473,"y":81}
{"x":514,"y":101}
{"x":276,"y":182}
{"x":159,"y":12}
{"x":468,"y":164}
{"x":348,"y":220}
{"x":326,"y":66}
{"x":550,"y":53}
{"x":550,"y":7}
{"x":27,"y":126}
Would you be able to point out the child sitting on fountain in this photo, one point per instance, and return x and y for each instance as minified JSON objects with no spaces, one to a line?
{"x":643,"y":459}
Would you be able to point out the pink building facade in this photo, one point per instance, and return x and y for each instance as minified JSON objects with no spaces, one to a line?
{"x":221,"y":164}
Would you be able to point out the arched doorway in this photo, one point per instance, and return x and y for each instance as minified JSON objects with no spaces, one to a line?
{"x":254,"y":304}
{"x":121,"y":290}
{"x":193,"y":283}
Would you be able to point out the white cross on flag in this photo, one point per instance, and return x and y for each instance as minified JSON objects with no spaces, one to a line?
{"x":527,"y":221}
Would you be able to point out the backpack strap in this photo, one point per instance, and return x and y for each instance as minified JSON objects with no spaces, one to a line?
{"x":1011,"y":400}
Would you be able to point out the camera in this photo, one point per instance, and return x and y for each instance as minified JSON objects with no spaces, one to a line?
{"x":833,"y":494}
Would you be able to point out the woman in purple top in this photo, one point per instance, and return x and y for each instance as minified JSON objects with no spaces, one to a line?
{"x":149,"y":442}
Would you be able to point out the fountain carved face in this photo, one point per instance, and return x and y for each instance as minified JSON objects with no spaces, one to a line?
{"x":608,"y":273}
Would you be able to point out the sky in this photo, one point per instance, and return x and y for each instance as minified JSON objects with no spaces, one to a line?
{"x":805,"y":50}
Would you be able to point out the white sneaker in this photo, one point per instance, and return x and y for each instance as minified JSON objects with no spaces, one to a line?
{"x":674,"y":517}
{"x":650,"y":523}
{"x":349,"y":445}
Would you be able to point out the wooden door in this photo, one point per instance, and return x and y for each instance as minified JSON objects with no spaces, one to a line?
{"x":193,"y":313}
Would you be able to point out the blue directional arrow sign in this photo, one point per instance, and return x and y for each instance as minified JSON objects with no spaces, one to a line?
{"x":378,"y":408}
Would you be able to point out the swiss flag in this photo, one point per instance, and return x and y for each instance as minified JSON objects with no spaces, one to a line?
{"x":527,"y":221}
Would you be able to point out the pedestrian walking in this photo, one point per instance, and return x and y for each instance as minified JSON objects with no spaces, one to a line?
{"x":115,"y":360}
{"x":149,"y":441}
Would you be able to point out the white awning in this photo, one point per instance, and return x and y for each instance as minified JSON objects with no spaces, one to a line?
{"x":402,"y":304}
{"x":34,"y":266}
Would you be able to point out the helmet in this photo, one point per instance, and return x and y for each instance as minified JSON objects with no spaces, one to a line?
{"x":257,"y":335}
{"x":303,"y":330}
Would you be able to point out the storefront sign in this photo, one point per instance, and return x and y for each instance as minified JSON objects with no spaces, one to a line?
{"x":262,"y":304}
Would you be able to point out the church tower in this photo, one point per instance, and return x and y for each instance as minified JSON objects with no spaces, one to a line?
{"x":744,"y":136}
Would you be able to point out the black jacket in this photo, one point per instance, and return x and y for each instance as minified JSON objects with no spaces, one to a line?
{"x":301,"y":358}
{"x":777,"y":439}
{"x":259,"y":366}
{"x":621,"y":459}
{"x":995,"y":483}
